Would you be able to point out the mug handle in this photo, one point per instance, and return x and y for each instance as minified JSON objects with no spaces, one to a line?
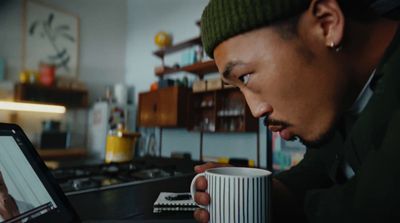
{"x":193,"y":188}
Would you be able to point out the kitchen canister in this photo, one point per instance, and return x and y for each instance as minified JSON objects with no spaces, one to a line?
{"x":120,"y":145}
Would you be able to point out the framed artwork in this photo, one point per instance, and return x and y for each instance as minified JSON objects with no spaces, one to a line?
{"x":50,"y":35}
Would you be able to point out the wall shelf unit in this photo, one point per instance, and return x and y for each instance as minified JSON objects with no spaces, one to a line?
{"x":221,"y":111}
{"x":200,"y":69}
{"x":175,"y":48}
{"x":71,"y":98}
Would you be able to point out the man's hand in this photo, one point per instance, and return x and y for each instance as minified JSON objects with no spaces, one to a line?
{"x":201,"y":197}
{"x":8,"y":207}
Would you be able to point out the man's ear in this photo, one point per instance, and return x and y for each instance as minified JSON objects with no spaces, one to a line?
{"x":329,"y":21}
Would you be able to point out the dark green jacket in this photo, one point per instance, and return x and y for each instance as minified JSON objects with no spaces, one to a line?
{"x":371,"y":145}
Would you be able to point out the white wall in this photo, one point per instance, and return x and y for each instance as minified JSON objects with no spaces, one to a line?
{"x":11,"y":38}
{"x":102,"y":53}
{"x":145,"y":19}
{"x":102,"y":39}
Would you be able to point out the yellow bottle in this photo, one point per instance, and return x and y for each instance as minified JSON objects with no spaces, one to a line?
{"x":24,"y":77}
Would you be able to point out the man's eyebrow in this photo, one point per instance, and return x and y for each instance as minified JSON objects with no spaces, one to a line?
{"x":229,"y":67}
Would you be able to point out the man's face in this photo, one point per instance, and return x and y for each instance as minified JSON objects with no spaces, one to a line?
{"x":293,"y":82}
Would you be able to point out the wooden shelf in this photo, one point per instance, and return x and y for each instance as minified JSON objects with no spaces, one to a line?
{"x":162,"y":52}
{"x":205,"y":107}
{"x":220,"y":131}
{"x":48,"y":154}
{"x":71,"y":98}
{"x":200,"y":69}
{"x":230,"y":116}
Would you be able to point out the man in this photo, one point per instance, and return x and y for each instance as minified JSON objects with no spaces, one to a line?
{"x":9,"y":207}
{"x":328,"y":73}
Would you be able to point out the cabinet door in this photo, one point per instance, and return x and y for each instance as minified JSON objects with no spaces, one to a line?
{"x":148,"y":109}
{"x":168,"y":107}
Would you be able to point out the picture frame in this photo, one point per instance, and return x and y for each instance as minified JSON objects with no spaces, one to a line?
{"x":51,"y":36}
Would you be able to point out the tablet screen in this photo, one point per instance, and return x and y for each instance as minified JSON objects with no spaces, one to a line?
{"x":26,"y":191}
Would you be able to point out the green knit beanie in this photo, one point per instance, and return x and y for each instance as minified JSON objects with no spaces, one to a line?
{"x":223,"y":19}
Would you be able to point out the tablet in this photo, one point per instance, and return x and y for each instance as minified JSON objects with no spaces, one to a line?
{"x":28,"y":191}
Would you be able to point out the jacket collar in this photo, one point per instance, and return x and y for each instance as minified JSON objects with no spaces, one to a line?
{"x":368,"y":130}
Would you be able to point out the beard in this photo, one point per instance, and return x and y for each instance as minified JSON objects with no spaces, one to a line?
{"x":320,"y":140}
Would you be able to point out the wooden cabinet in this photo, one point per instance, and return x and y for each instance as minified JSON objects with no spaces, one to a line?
{"x":167,"y":107}
{"x":51,"y":95}
{"x":203,"y":110}
{"x":148,"y":108}
{"x":233,"y":114}
{"x":171,"y":107}
{"x":222,"y":110}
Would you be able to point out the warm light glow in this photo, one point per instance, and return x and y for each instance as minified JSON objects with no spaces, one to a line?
{"x":18,"y":106}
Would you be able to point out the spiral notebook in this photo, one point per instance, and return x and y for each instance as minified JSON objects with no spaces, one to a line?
{"x":168,"y":201}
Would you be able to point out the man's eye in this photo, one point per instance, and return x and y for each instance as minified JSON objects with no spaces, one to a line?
{"x":245,"y":78}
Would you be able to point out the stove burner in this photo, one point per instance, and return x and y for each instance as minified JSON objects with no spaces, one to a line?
{"x":84,"y":183}
{"x":151,"y":173}
{"x":103,"y":175}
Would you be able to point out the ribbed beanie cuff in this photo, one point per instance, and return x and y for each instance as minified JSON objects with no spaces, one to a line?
{"x":223,"y":19}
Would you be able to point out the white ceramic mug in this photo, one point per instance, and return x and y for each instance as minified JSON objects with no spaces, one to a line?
{"x":237,"y":194}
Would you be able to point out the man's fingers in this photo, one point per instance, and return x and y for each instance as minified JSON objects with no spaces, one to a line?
{"x":204,"y":167}
{"x":201,"y":184}
{"x":201,"y":215}
{"x":209,"y":165}
{"x":202,"y":198}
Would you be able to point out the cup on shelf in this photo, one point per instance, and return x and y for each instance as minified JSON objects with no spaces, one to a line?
{"x":47,"y":74}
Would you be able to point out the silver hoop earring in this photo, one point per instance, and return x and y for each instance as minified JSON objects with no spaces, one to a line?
{"x":338,"y":49}
{"x":335,"y":47}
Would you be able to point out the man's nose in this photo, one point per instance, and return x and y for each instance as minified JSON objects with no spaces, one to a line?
{"x":258,"y":107}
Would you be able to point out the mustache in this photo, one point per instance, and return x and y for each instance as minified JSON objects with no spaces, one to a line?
{"x":269,"y":121}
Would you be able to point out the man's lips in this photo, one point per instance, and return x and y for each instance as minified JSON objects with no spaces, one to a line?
{"x":275,"y":128}
{"x":283,"y":132}
{"x":280,"y":127}
{"x":286,"y":135}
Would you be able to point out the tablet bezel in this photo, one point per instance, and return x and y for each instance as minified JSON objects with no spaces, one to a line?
{"x":64,"y":213}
